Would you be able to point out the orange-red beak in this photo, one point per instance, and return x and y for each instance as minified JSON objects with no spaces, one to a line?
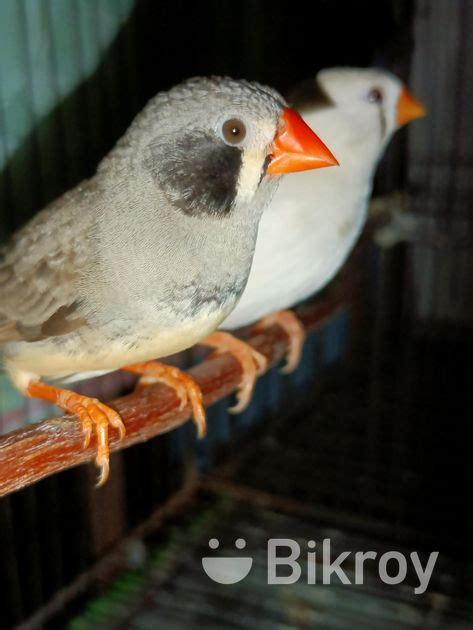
{"x":297,"y":148}
{"x":408,"y":108}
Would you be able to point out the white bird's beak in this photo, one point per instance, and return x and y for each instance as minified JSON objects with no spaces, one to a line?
{"x":408,"y":108}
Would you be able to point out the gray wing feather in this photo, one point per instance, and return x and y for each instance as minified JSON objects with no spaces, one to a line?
{"x":41,"y":265}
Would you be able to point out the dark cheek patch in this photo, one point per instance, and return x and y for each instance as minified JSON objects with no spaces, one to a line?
{"x":198,"y":173}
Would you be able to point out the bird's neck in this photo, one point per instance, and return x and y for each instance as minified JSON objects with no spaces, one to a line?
{"x":358,"y":150}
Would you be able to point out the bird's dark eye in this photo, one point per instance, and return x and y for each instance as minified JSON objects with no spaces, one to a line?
{"x":233,"y":131}
{"x":375,"y":95}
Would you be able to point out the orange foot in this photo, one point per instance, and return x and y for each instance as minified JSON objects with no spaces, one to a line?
{"x":295,"y":331}
{"x":92,"y":414}
{"x":252,"y":362}
{"x":185,"y":387}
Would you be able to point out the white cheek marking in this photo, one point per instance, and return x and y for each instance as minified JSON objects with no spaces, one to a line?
{"x":253,"y":160}
{"x":250,"y":174}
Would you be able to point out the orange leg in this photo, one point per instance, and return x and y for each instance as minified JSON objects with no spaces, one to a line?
{"x":185,"y":387}
{"x":252,"y":364}
{"x":91,"y":413}
{"x":295,"y":331}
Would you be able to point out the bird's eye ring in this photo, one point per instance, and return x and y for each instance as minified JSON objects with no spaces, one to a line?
{"x":375,"y":95}
{"x":233,"y":131}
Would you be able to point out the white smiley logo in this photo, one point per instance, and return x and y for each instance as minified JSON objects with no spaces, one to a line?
{"x":227,"y":570}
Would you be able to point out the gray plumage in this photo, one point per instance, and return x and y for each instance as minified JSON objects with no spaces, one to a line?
{"x":150,"y":254}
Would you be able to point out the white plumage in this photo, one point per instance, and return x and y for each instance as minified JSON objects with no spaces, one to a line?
{"x":315,"y":217}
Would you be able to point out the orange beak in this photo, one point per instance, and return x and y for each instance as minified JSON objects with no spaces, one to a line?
{"x":297,"y":148}
{"x":408,"y":108}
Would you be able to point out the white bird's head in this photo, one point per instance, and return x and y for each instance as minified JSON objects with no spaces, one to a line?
{"x":359,"y":109}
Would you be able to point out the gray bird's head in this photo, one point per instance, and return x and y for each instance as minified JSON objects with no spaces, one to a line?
{"x":211,"y":145}
{"x":358,"y":109}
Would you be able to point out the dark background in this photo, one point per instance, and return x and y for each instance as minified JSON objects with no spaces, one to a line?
{"x":165,"y":42}
{"x":381,"y":438}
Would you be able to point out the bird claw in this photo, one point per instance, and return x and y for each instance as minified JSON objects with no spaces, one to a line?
{"x":295,"y":332}
{"x":91,"y":413}
{"x":252,"y":363}
{"x":94,"y":414}
{"x":184,"y":386}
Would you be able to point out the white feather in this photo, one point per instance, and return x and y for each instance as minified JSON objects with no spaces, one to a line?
{"x":315,"y":217}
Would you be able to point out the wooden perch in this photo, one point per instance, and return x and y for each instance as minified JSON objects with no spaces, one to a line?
{"x":39,"y":450}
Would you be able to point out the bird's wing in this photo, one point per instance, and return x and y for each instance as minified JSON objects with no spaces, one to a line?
{"x":39,"y":269}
